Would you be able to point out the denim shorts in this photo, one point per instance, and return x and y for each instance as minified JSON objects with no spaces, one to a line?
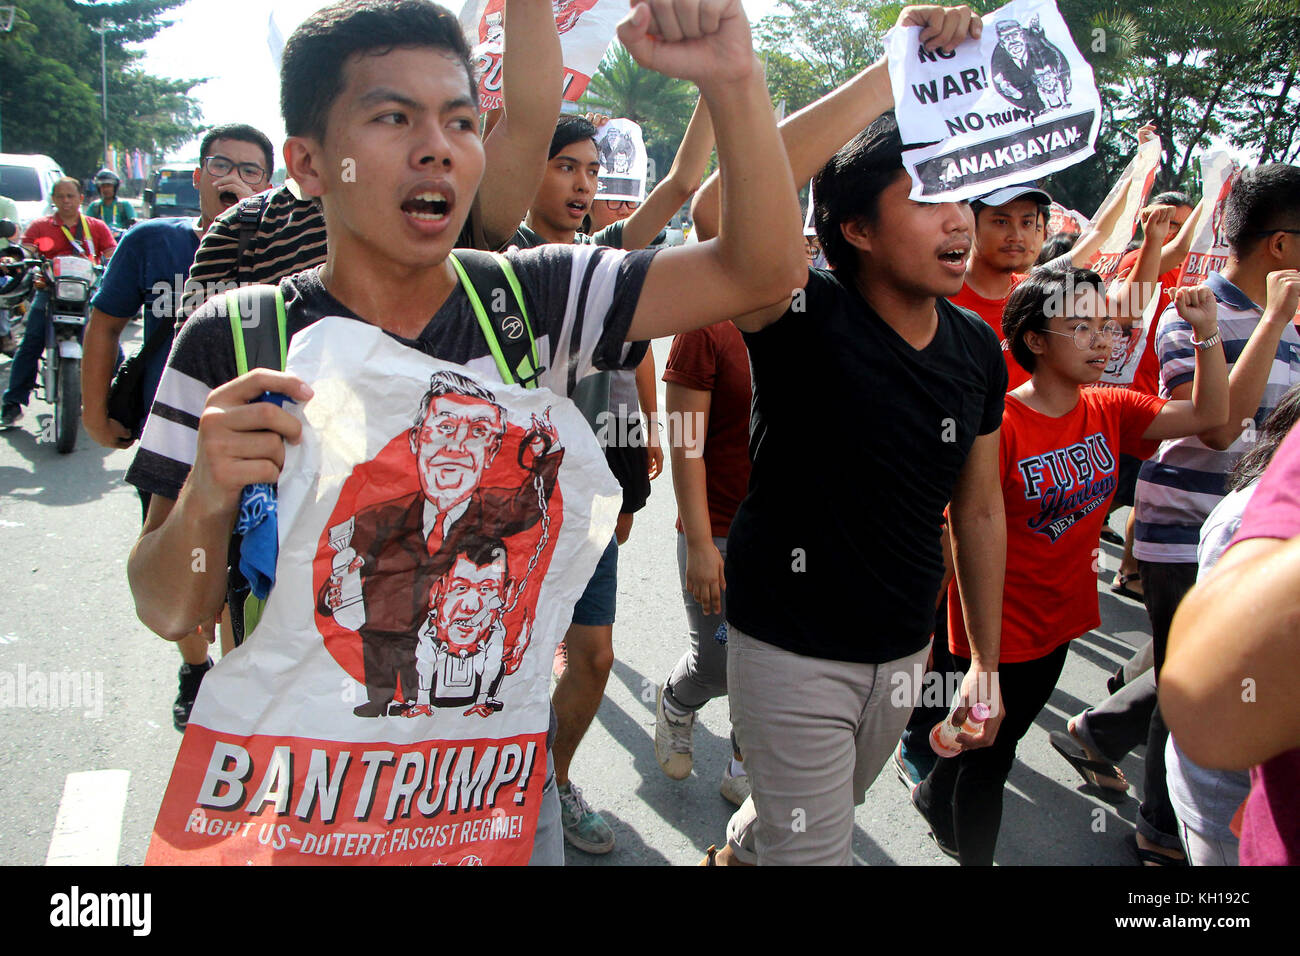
{"x":596,"y":606}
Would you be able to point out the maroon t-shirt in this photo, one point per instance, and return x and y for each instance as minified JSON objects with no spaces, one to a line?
{"x":1270,"y":826}
{"x":714,"y":359}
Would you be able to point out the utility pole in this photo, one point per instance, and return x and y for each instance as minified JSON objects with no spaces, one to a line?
{"x":6,"y":24}
{"x":102,"y":29}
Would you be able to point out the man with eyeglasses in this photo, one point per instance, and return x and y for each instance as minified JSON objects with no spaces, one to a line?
{"x":149,"y":270}
{"x":1181,"y":484}
{"x":606,"y":212}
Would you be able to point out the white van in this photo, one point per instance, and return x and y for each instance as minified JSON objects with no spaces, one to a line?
{"x":29,"y":180}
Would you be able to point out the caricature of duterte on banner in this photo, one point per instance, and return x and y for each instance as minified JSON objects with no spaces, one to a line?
{"x":586,"y":29}
{"x":392,"y":704}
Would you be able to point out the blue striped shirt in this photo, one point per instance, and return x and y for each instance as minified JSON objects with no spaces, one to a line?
{"x":1185,"y":480}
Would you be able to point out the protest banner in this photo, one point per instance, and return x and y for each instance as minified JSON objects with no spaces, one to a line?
{"x":623,"y":161}
{"x":586,"y":30}
{"x":1061,"y":220}
{"x":1209,"y":253}
{"x":1209,"y":249}
{"x":1138,"y":177}
{"x":435,"y":530}
{"x":1013,"y":106}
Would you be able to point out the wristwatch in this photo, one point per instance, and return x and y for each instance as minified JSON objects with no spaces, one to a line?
{"x":1209,"y":343}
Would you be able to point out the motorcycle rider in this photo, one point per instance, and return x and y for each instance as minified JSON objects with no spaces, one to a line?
{"x":119,"y":214}
{"x":8,"y":210}
{"x":72,"y":233}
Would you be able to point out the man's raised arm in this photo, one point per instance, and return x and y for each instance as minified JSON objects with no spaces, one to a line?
{"x":758,"y":258}
{"x":815,"y":133}
{"x":515,"y":148}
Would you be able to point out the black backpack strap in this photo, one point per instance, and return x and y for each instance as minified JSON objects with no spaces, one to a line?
{"x":498,"y":302}
{"x":257,"y":324}
{"x":249,"y":220}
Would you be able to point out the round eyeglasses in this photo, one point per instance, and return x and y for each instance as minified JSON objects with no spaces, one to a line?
{"x":1085,"y":336}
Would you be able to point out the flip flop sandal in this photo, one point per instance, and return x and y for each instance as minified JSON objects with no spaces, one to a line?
{"x":1152,"y":857}
{"x":1121,"y":586}
{"x":1092,"y":771}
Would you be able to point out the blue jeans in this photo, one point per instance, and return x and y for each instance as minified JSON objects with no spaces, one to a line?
{"x":22,"y":373}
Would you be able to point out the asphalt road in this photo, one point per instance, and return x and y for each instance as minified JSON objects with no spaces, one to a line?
{"x":67,"y":523}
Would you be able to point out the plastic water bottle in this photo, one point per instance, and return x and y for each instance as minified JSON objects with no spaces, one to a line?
{"x":943,"y":738}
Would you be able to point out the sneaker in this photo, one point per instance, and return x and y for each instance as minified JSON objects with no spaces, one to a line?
{"x":946,"y":846}
{"x":673,"y":747}
{"x":191,"y":676}
{"x":912,"y":767}
{"x":583,"y":827}
{"x":734,"y":789}
{"x":10,"y":415}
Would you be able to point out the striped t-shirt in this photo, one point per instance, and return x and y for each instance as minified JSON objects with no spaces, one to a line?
{"x":1179,"y":487}
{"x":289,"y":238}
{"x":580,"y":302}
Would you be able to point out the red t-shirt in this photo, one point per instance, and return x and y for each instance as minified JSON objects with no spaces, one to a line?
{"x":714,"y":359}
{"x":1147,"y":376}
{"x":1270,"y":825}
{"x":52,"y":227}
{"x":1058,"y":476}
{"x":990,"y":310}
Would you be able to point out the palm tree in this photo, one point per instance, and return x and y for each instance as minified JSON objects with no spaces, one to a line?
{"x":660,"y":104}
{"x":622,"y":87}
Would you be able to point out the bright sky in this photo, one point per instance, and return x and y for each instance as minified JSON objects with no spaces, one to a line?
{"x":225,"y":40}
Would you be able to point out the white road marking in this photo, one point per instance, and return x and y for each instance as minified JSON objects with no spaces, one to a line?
{"x":88,"y":828}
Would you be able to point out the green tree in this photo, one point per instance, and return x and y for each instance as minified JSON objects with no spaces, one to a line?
{"x":1217,"y":69}
{"x":661,"y":105}
{"x":812,"y":46}
{"x":50,"y":83}
{"x":1220,"y":69}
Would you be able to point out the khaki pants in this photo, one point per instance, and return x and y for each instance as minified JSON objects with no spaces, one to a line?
{"x":815,"y":734}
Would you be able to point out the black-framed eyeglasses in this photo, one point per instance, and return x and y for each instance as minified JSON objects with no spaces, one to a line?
{"x":219,"y":166}
{"x":616,"y":204}
{"x":1085,"y":336}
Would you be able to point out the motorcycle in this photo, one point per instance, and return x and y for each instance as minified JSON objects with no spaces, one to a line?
{"x":119,"y":231}
{"x":70,"y":282}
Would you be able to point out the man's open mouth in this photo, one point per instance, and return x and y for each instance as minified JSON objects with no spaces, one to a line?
{"x":955,"y":256}
{"x":577,"y":206}
{"x":428,"y":206}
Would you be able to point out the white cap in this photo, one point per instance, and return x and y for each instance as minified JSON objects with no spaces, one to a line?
{"x":1011,"y":193}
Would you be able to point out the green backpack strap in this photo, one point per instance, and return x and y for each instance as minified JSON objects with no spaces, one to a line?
{"x":258,"y":344}
{"x":498,"y":302}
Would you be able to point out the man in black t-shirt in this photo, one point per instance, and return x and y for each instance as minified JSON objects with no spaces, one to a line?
{"x":876,"y":404}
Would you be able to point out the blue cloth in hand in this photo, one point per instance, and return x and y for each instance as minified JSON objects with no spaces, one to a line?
{"x":260,"y":544}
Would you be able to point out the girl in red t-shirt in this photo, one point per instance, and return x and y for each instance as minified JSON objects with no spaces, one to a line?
{"x":1060,"y":447}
